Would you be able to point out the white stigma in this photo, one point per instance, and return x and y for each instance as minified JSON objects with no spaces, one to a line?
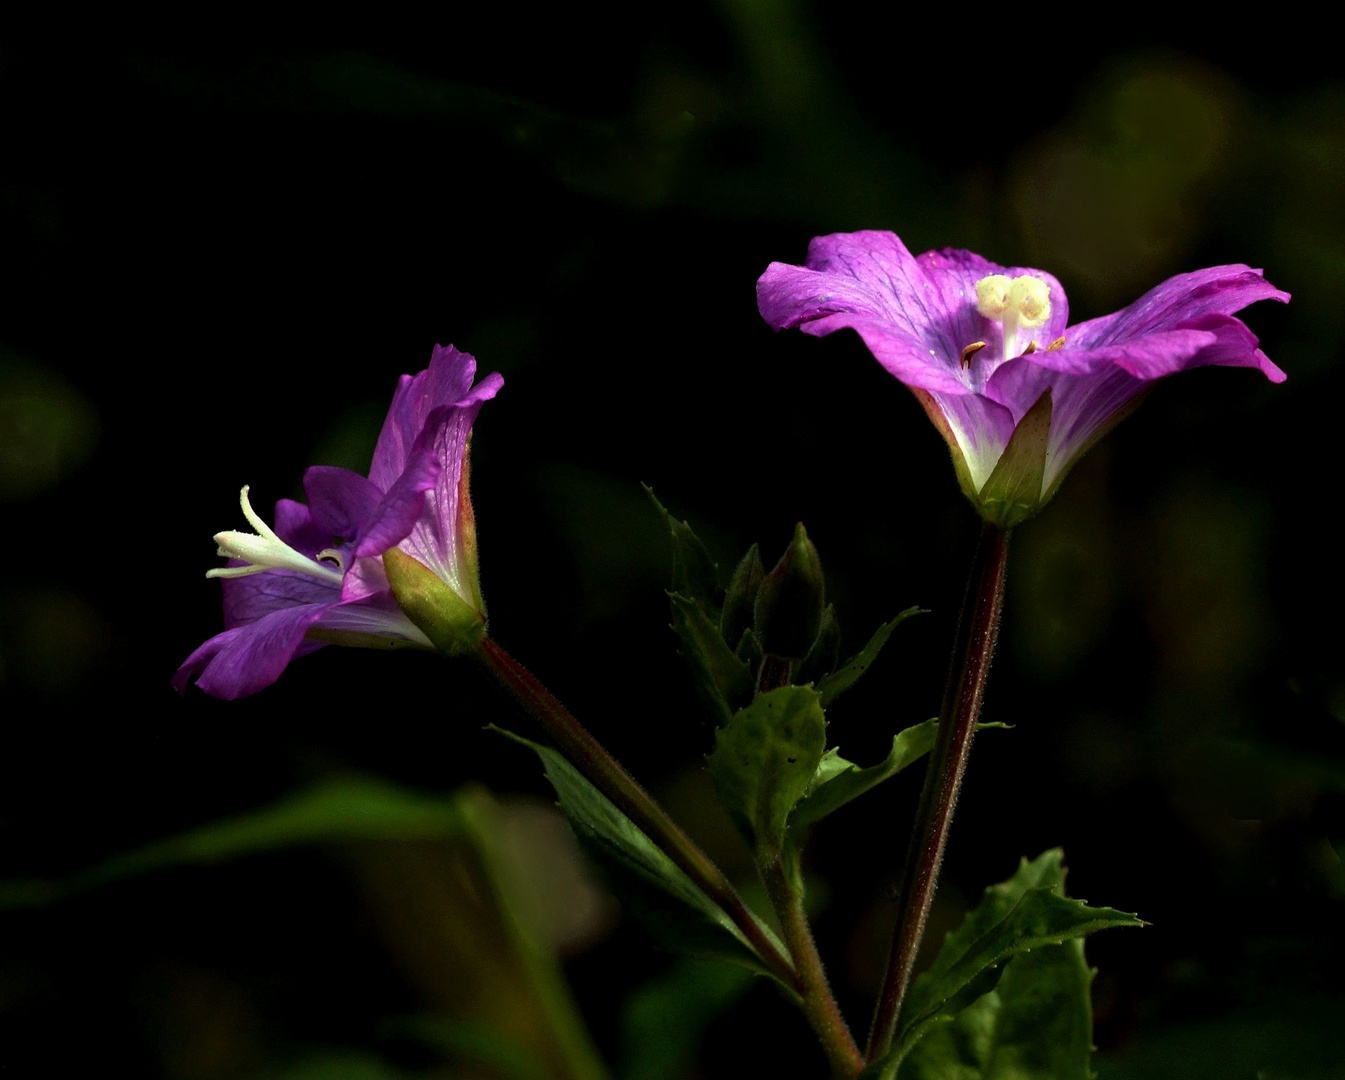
{"x":1032,"y":297}
{"x":266,"y":551}
{"x":1023,"y":302}
{"x":993,"y":296}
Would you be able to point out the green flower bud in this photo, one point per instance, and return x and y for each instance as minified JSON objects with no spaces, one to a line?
{"x":789,"y":604}
{"x":741,"y":597}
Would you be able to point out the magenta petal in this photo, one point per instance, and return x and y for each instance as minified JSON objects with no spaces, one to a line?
{"x":293,"y":522}
{"x":340,"y":501}
{"x":376,"y":614}
{"x":447,"y":381}
{"x":436,"y":539}
{"x":397,"y":512}
{"x":1177,"y":303}
{"x":1150,"y":357}
{"x":982,"y":428}
{"x":248,"y":658}
{"x":1234,"y":346}
{"x":252,"y":597}
{"x":916,"y":315}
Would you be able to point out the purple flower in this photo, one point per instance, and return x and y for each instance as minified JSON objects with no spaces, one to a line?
{"x":322,"y":574}
{"x":1017,"y":393}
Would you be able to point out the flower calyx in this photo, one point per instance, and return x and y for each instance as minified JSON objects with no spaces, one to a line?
{"x":453,"y":625}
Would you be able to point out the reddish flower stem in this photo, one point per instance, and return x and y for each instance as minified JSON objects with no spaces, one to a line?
{"x":975,"y":644}
{"x":816,"y":999}
{"x":784,"y":886}
{"x":605,"y":773}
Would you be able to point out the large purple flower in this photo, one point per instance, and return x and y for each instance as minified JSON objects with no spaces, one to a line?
{"x":1017,"y":393}
{"x":322,"y":574}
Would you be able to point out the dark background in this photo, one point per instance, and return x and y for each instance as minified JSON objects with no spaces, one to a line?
{"x":220,"y":246}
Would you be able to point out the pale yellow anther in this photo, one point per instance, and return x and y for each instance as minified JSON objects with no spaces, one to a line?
{"x":970,"y":351}
{"x":992,"y":295}
{"x":1058,"y":343}
{"x":1032,"y":297}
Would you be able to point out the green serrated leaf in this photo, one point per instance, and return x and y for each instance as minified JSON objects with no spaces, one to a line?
{"x":651,"y":887}
{"x":838,"y":781}
{"x":1028,"y":911}
{"x":723,"y":680}
{"x":764,"y":760}
{"x":694,"y":573}
{"x":1037,"y":1024}
{"x":846,"y":675}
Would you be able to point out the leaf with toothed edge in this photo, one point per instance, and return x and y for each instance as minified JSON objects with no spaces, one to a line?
{"x":839,"y":782}
{"x":723,"y":680}
{"x":1025,"y":913}
{"x":764,"y":760}
{"x":694,"y":573}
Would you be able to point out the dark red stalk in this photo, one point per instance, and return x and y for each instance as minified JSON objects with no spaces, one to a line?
{"x":975,"y":644}
{"x":605,"y":773}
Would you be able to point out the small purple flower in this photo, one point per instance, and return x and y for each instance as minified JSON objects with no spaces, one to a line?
{"x":321,"y":575}
{"x":1017,"y":393}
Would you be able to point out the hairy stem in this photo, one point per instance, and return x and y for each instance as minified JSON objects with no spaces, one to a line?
{"x":816,"y":998}
{"x":975,"y":644}
{"x":605,"y":773}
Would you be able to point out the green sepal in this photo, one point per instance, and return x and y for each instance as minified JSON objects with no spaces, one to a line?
{"x":764,"y":761}
{"x":1013,"y":492}
{"x":848,"y":673}
{"x":723,"y":680}
{"x":450,"y":622}
{"x":1029,"y":911}
{"x":694,"y":573}
{"x":651,"y":887}
{"x":823,"y":657}
{"x":741,"y":597}
{"x":749,"y":650}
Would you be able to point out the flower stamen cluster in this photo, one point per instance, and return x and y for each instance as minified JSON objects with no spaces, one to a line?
{"x":1020,"y":303}
{"x":266,"y":551}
